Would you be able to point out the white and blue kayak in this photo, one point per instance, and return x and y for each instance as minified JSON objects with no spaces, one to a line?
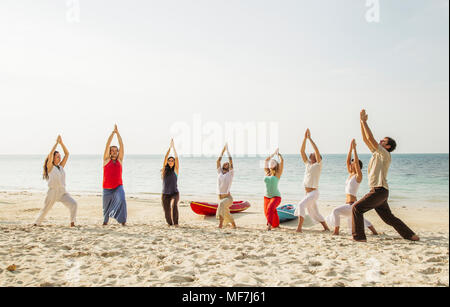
{"x":286,"y":213}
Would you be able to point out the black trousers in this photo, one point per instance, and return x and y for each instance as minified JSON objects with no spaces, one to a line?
{"x":171,"y":212}
{"x":376,"y":199}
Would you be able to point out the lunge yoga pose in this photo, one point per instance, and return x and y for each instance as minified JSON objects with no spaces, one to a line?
{"x":224,"y":179}
{"x":114,"y":203}
{"x":354,"y":167}
{"x":170,"y":195}
{"x":272,"y":199}
{"x":56,"y":176}
{"x":313,"y":168}
{"x":378,"y":196}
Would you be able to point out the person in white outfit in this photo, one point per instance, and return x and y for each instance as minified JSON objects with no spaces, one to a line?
{"x":313,"y":168}
{"x":354,"y":167}
{"x":56,"y":178}
{"x":225,"y":174}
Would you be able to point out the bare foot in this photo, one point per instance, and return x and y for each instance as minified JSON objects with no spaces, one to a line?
{"x":269,"y":228}
{"x":415,"y":238}
{"x":335,"y":233}
{"x":72,"y":224}
{"x":104,"y":224}
{"x":299,"y":230}
{"x":363,"y":241}
{"x":374,"y":232}
{"x":325,"y":227}
{"x":124,"y":224}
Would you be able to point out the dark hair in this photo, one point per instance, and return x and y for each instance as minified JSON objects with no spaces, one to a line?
{"x":392,"y":143}
{"x":313,"y":153}
{"x":45,"y":173}
{"x":360,"y":163}
{"x":167,"y":169}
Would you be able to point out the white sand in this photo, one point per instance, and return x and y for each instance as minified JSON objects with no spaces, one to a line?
{"x":148,"y":253}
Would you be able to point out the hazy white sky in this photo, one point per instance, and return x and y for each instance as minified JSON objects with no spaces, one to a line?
{"x":149,"y":64}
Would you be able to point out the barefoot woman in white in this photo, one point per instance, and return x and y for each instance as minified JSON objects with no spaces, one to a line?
{"x":354,"y":167}
{"x":56,"y":177}
{"x":225,"y":175}
{"x":313,"y":168}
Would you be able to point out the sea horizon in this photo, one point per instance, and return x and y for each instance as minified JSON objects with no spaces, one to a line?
{"x":233,"y":155}
{"x":414,"y":179}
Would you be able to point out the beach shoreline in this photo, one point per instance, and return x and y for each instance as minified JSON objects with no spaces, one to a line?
{"x":148,"y":253}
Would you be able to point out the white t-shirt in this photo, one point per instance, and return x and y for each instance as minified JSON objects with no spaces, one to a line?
{"x":379,"y":167}
{"x":312,"y":175}
{"x":224,"y":181}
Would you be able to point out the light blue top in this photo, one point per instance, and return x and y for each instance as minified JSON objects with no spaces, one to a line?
{"x":272,"y":186}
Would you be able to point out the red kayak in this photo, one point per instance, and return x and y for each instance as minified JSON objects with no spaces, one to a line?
{"x":203,"y":208}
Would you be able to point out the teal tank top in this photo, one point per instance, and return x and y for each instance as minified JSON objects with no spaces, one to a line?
{"x":272,"y":186}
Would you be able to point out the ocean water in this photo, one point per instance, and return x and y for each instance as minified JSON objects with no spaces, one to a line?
{"x":414,"y":179}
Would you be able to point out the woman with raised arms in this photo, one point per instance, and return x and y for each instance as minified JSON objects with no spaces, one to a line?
{"x":354,"y":167}
{"x":313,"y":169}
{"x":56,"y":177}
{"x":114,"y":202}
{"x":170,"y":195}
{"x":224,"y":179}
{"x":272,"y":199}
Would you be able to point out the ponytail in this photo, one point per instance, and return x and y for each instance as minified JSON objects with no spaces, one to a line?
{"x":45,"y":173}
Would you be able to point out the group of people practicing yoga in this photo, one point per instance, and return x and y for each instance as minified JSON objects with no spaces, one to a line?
{"x":115,"y":206}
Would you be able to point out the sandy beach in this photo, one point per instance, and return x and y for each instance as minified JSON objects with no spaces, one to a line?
{"x":149,"y":253}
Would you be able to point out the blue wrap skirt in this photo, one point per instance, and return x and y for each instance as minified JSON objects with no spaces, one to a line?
{"x":114,"y":205}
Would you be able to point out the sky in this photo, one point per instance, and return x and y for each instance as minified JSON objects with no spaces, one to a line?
{"x":159,"y":69}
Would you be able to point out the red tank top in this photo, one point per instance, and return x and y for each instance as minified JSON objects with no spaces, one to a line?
{"x":112,"y":175}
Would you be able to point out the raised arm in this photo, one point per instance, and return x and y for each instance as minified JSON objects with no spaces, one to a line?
{"x":106,"y":155}
{"x":166,"y":157}
{"x":367,"y":133}
{"x":363,"y":134}
{"x":66,"y":153}
{"x":349,"y":158}
{"x":121,"y":148}
{"x":219,"y":159}
{"x":266,"y":164}
{"x":359,"y":175}
{"x":280,"y":170}
{"x":230,"y":159}
{"x":51,"y":155}
{"x":177,"y":161}
{"x":303,"y":149}
{"x":316,"y":149}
